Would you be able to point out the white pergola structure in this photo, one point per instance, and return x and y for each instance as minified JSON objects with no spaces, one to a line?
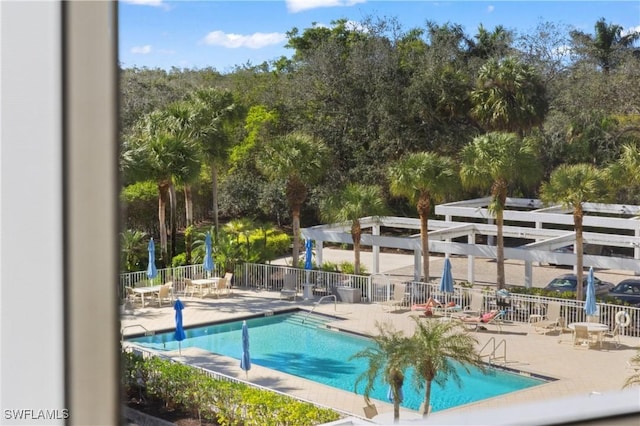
{"x":538,"y":230}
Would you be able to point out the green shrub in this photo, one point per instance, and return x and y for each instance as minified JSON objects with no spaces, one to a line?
{"x":347,"y":267}
{"x":179,"y":260}
{"x":277,"y":243}
{"x":190,"y":390}
{"x":329,"y":267}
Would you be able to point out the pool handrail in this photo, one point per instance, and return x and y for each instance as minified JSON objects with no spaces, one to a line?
{"x":335,"y":305}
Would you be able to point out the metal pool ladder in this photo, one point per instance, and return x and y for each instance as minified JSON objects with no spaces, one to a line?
{"x":146,"y":332}
{"x":335,"y":301}
{"x":494,"y":349}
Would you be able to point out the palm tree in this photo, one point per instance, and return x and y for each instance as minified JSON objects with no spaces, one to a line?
{"x":155,"y":153}
{"x":215,"y":115}
{"x":300,"y":160}
{"x":436,"y":347}
{"x":490,"y":44}
{"x":509,"y":96}
{"x":571,"y":185}
{"x":133,"y":246}
{"x":497,"y":161}
{"x":605,"y":45}
{"x":390,"y":356}
{"x":634,"y":379}
{"x":627,"y":168}
{"x":181,"y":120}
{"x":423,"y":177}
{"x":349,"y":205}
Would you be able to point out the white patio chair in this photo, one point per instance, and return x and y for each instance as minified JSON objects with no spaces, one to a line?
{"x":397,"y":298}
{"x":289,"y":288}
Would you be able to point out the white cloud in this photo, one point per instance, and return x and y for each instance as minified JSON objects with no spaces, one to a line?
{"x":490,"y":8}
{"x":153,"y":3}
{"x":141,"y":50}
{"x":627,"y":31}
{"x":253,"y":41}
{"x":295,"y":6}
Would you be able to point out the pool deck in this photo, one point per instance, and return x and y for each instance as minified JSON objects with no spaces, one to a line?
{"x":578,"y":371}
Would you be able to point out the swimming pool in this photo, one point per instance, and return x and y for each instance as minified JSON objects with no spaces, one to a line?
{"x":309,"y":350}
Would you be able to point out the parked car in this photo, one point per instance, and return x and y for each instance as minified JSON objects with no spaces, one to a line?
{"x":627,"y":291}
{"x":568,"y":282}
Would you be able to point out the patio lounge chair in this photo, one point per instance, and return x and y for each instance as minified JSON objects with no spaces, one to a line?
{"x":397,"y":298}
{"x":476,"y":307}
{"x":476,"y":322}
{"x":289,"y":288}
{"x":552,"y":321}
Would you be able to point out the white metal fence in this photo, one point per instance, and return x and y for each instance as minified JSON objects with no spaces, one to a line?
{"x":377,"y":288}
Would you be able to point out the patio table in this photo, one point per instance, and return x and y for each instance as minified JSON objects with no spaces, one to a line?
{"x":593,"y":328}
{"x":203,"y":283}
{"x":146,"y":290}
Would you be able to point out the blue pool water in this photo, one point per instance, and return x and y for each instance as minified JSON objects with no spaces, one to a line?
{"x":281,"y":342}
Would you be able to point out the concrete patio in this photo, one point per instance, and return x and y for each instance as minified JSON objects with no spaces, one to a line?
{"x":578,"y":371}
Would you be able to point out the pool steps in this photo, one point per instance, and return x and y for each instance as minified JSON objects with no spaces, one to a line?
{"x":307,"y":321}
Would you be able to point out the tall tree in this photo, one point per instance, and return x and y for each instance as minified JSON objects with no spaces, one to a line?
{"x":216,"y":114}
{"x":300,"y":160}
{"x":391,"y":356}
{"x":437,"y":346}
{"x":497,"y":161}
{"x":349,"y":205}
{"x":422,"y":178}
{"x":490,"y":44}
{"x":153,"y":153}
{"x":572,"y":185}
{"x":181,"y":120}
{"x":605,"y":46}
{"x":509,"y":96}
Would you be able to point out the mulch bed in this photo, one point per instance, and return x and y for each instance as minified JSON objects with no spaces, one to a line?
{"x":158,"y":409}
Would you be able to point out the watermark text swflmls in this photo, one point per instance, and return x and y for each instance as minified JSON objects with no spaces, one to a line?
{"x":36,"y":414}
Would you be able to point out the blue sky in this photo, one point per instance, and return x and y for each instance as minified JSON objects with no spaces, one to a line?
{"x":223,"y":34}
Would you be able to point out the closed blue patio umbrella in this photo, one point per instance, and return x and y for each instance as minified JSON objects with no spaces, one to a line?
{"x":245,"y":361}
{"x":208,"y":264}
{"x":590,"y":307}
{"x":390,"y":394}
{"x":308,"y":253}
{"x":152,"y":271}
{"x":446,"y":281}
{"x":179,"y":334}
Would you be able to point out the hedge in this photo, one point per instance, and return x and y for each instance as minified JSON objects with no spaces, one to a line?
{"x":192,"y":391}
